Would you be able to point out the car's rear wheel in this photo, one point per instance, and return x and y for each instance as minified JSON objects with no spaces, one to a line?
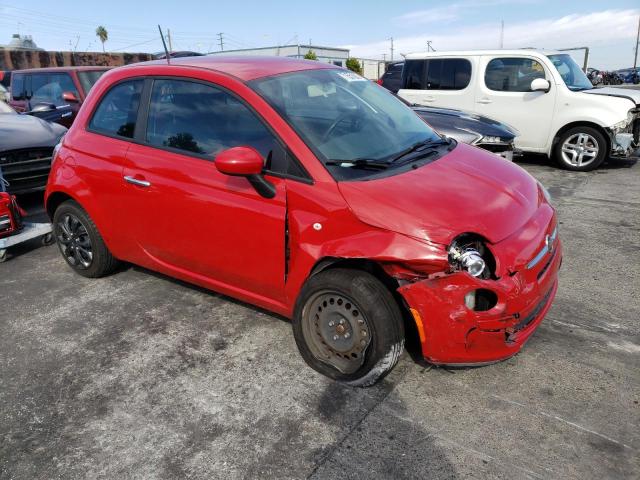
{"x":581,"y":149}
{"x":348,"y":326}
{"x":80,"y":242}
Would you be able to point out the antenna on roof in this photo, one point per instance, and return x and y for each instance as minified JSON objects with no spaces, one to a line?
{"x":164,"y":44}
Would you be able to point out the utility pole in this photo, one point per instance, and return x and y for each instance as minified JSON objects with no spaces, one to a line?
{"x":169,"y":40}
{"x":635,"y":58}
{"x":429,"y":47}
{"x":502,"y":34}
{"x":221,"y":41}
{"x":391,"y":48}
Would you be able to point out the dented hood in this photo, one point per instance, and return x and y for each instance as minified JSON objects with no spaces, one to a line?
{"x":467,"y":190}
{"x":633,"y":95}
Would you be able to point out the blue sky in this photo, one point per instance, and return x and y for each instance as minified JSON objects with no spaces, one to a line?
{"x":608,"y":27}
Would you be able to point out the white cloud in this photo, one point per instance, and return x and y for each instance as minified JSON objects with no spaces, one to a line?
{"x":595,"y":30}
{"x":431,"y":15}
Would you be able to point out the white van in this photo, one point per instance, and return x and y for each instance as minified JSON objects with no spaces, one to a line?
{"x":544,"y":95}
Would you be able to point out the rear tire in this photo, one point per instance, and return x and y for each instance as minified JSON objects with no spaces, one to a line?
{"x":80,"y":242}
{"x":581,"y":149}
{"x":348,"y":326}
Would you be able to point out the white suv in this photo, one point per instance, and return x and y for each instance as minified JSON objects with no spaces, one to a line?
{"x":544,"y":95}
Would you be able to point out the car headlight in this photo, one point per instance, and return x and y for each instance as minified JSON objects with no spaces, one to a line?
{"x":616,"y":127}
{"x":469,"y":253}
{"x":545,"y":193}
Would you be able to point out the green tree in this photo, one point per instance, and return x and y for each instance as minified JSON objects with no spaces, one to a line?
{"x":354,"y":65}
{"x":102,"y":34}
{"x":311,"y":55}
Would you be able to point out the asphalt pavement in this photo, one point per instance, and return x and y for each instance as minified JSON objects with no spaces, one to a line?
{"x":140,"y":376}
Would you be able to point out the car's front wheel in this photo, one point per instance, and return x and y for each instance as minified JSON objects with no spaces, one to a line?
{"x":80,"y":242}
{"x":581,"y":149}
{"x":348,"y":326}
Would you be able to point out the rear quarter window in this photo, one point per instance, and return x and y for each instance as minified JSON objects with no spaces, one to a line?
{"x":17,"y":87}
{"x":117,"y":111}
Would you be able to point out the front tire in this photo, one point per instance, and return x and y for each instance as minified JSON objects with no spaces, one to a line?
{"x":581,"y":149}
{"x":80,"y":242}
{"x":348,"y":326}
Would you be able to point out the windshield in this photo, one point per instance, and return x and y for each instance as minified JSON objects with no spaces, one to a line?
{"x":88,"y":78}
{"x":4,"y":108}
{"x":572,"y":75}
{"x":352,"y":125}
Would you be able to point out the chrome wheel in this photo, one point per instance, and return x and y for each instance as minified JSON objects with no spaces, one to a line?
{"x":580,"y":149}
{"x":336,"y":331}
{"x":74,"y":241}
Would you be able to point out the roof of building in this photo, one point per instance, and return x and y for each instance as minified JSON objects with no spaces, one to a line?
{"x":246,"y":68}
{"x":296,"y":45}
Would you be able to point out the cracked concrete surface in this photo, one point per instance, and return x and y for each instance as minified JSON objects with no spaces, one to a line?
{"x":140,"y":376}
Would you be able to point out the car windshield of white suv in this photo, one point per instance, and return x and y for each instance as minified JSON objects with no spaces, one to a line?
{"x":354,"y":126}
{"x":572,"y":75}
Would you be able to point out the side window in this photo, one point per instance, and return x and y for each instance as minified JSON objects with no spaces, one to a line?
{"x":205,"y":120}
{"x":17,"y":87}
{"x":118,"y":110}
{"x":413,"y":74}
{"x":38,"y":91}
{"x":49,"y":88}
{"x":512,"y":74}
{"x":448,"y":74}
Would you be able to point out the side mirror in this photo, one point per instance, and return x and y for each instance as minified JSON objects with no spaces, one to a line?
{"x":70,"y":97}
{"x":540,"y":85}
{"x":245,"y":162}
{"x":43,"y":107}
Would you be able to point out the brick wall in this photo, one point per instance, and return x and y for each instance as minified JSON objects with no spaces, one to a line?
{"x":20,"y":59}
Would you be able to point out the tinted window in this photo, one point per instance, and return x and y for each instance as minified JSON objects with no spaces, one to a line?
{"x":48,"y":88}
{"x":17,"y":87}
{"x":118,"y":110}
{"x":414,"y":73}
{"x":448,"y":74}
{"x":512,"y":74}
{"x":205,"y":120}
{"x":88,"y":78}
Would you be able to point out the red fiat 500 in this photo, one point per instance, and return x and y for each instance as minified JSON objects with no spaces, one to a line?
{"x":314,"y":193}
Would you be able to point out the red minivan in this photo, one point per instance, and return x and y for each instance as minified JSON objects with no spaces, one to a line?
{"x":56,"y":86}
{"x":309,"y":191}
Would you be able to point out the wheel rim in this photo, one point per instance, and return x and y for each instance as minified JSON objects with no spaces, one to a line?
{"x":336,"y":331}
{"x":74,"y":241}
{"x":580,"y":150}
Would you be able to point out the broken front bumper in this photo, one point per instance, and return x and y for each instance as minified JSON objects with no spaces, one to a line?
{"x":625,"y":143}
{"x":453,"y":334}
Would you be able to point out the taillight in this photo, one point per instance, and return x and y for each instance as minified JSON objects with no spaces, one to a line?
{"x":379,"y":82}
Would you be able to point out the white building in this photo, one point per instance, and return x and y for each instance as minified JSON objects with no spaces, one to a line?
{"x":371,"y":69}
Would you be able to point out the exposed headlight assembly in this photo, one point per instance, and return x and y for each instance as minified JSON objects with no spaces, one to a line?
{"x":469,"y":253}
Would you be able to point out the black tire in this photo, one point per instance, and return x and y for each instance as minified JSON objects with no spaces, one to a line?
{"x":101,"y":262}
{"x":368,"y":307}
{"x":595,"y":139}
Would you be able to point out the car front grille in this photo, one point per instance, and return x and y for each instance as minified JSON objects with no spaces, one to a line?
{"x":26,"y":170}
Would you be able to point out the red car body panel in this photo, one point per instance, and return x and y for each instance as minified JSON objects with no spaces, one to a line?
{"x":214,"y":230}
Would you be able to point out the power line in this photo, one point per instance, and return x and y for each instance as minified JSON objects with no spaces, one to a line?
{"x":221,"y":41}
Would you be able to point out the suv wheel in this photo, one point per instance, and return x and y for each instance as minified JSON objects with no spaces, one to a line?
{"x":348,"y":326}
{"x":80,"y":242}
{"x":581,"y":149}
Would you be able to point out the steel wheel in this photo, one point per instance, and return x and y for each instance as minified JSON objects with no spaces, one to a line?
{"x":74,"y":241}
{"x":580,"y":150}
{"x":336,"y":331}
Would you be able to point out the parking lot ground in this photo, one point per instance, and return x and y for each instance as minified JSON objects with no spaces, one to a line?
{"x":140,"y":376}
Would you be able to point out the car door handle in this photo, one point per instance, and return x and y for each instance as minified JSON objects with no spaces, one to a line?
{"x":485,"y":100}
{"x":135,"y":181}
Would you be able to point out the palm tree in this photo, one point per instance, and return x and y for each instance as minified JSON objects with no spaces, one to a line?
{"x":102,"y":34}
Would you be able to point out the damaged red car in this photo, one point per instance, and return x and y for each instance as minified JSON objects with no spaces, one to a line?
{"x":309,"y":191}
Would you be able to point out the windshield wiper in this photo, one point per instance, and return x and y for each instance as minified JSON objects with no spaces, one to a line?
{"x":420,"y":147}
{"x":359,"y":163}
